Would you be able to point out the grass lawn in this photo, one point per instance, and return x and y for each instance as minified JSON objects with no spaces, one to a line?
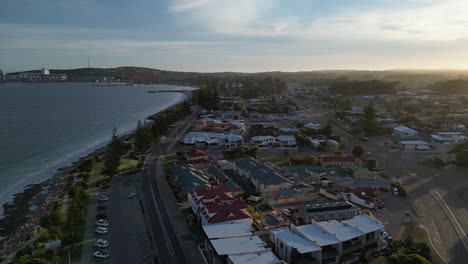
{"x":279,"y":160}
{"x":420,"y":236}
{"x":127,"y":165}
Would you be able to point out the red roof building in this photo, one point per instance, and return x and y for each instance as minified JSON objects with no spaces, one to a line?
{"x":218,"y":205}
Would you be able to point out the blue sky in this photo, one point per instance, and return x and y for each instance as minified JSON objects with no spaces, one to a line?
{"x":237,"y":35}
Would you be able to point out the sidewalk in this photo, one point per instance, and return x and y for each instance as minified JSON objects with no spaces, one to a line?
{"x":89,"y":237}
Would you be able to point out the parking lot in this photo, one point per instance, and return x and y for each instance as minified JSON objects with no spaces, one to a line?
{"x":127,"y":230}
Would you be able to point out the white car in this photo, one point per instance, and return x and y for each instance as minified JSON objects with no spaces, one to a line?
{"x":102,"y":222}
{"x":132,"y":194}
{"x":102,"y":254}
{"x":102,"y":197}
{"x":395,"y":191}
{"x":101,"y":243}
{"x":287,"y":212}
{"x":101,"y":230}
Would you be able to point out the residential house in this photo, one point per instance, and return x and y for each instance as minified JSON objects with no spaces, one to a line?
{"x":263,"y":141}
{"x":365,"y":197}
{"x":286,"y":141}
{"x":414,"y":145}
{"x":263,"y":177}
{"x":326,"y":211}
{"x":403,"y":131}
{"x":357,"y":110}
{"x":218,"y":205}
{"x":259,"y":257}
{"x":211,"y":139}
{"x":448,"y":138}
{"x":349,"y":161}
{"x":189,"y":178}
{"x":197,"y":158}
{"x":447,"y":124}
{"x":328,"y":242}
{"x":313,"y":125}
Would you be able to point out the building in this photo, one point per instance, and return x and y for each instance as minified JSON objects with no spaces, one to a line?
{"x":403,"y":131}
{"x":282,"y":141}
{"x":211,"y":139}
{"x":293,"y":248}
{"x":228,"y":230}
{"x":218,"y":205}
{"x":365,"y":197}
{"x":447,"y":124}
{"x":259,"y":257}
{"x":286,"y":141}
{"x":189,"y":178}
{"x":263,"y":141}
{"x":263,"y":177}
{"x":349,"y":161}
{"x":225,"y":247}
{"x":197,"y":158}
{"x":326,"y":211}
{"x":313,"y":125}
{"x":220,"y":178}
{"x":448,"y":138}
{"x":328,"y":242}
{"x":414,"y":145}
{"x":357,"y":110}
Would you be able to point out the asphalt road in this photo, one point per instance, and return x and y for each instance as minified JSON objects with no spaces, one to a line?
{"x":163,"y":236}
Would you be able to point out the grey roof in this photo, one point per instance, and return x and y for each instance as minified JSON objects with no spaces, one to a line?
{"x":222,"y":177}
{"x":261,"y":172}
{"x":189,"y":177}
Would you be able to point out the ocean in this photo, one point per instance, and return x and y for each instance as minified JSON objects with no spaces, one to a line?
{"x":46,"y":126}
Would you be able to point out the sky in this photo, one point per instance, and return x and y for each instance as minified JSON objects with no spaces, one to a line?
{"x":234,"y":35}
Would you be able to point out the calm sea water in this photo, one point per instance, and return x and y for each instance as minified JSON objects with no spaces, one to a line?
{"x":45,"y":126}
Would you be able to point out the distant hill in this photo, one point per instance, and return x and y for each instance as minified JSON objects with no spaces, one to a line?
{"x":149,"y":75}
{"x":450,"y":87}
{"x":373,"y":87}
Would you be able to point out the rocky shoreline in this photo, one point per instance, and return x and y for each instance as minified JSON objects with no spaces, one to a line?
{"x":21,"y":221}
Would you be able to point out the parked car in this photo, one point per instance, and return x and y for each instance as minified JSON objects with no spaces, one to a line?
{"x":101,"y":243}
{"x":101,"y":216}
{"x":102,"y":222}
{"x":395,"y":191}
{"x":102,"y":197}
{"x":131,"y":195}
{"x":287,"y":212}
{"x":101,"y":230}
{"x":102,"y":254}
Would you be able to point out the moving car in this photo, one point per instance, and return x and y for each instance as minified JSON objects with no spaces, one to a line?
{"x":102,"y":254}
{"x":101,"y":243}
{"x":102,"y":197}
{"x":395,"y":191}
{"x":102,"y":222}
{"x":101,"y":230}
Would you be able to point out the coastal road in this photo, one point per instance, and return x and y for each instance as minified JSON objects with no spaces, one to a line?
{"x":162,"y":229}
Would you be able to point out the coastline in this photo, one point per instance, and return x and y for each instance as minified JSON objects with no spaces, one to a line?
{"x":23,"y":213}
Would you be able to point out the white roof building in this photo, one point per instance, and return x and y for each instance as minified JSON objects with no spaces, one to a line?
{"x":317,"y":234}
{"x":238,"y":245}
{"x":259,"y":257}
{"x":365,"y":223}
{"x":293,"y":240}
{"x":404,"y":131}
{"x":229,"y":230}
{"x":414,"y":145}
{"x":313,"y":125}
{"x":341,"y":231}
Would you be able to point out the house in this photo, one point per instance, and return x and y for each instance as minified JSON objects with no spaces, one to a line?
{"x":414,"y":145}
{"x":286,"y":141}
{"x":365,"y":197}
{"x":197,"y":158}
{"x":403,"y":131}
{"x":357,"y":110}
{"x":218,"y":205}
{"x":263,"y":141}
{"x":203,"y":139}
{"x":228,"y":230}
{"x":259,"y":257}
{"x":332,"y":143}
{"x":290,"y":130}
{"x":292,"y":248}
{"x":237,"y":245}
{"x":448,"y":138}
{"x":327,"y":211}
{"x":313,"y":125}
{"x":340,"y":161}
{"x":263,"y":177}
{"x":189,"y":178}
{"x":330,"y":241}
{"x":221,"y":178}
{"x":447,"y":124}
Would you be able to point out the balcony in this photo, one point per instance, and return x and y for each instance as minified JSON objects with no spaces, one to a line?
{"x":349,"y":247}
{"x":330,"y":253}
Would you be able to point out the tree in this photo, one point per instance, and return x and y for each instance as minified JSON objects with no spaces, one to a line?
{"x":371,"y":164}
{"x":438,"y":162}
{"x":327,"y":130}
{"x":113,"y":153}
{"x":143,"y":136}
{"x":462,"y":158}
{"x":286,"y":152}
{"x":358,"y":150}
{"x":369,"y":121}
